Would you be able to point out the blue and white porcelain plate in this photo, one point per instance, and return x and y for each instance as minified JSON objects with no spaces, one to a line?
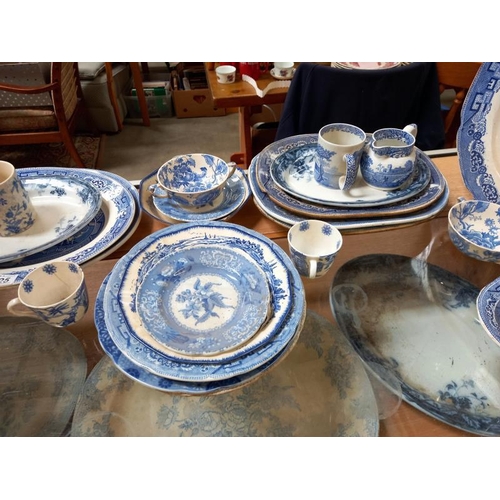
{"x":119,"y":206}
{"x":477,"y":136}
{"x":292,"y":170}
{"x":62,"y":206}
{"x":234,"y":195}
{"x":135,"y":342}
{"x":418,"y":322}
{"x":288,"y":218}
{"x":488,"y":308}
{"x":203,"y":300}
{"x":319,"y":389}
{"x":291,"y":328}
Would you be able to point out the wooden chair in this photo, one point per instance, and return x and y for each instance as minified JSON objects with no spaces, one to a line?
{"x":457,"y":76}
{"x":42,"y":112}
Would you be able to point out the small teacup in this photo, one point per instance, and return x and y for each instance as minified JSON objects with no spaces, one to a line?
{"x":283,"y":69}
{"x":54,"y":292}
{"x":226,"y":74}
{"x":16,"y":211}
{"x":338,"y":154}
{"x":313,"y":246}
{"x":192,"y":180}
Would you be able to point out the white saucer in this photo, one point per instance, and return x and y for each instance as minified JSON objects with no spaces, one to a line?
{"x":278,"y":77}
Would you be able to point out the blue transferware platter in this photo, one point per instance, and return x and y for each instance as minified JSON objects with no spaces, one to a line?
{"x":322,"y":363}
{"x":288,"y":218}
{"x":119,"y":206}
{"x":234,"y":195}
{"x":135,"y":342}
{"x":477,"y":136}
{"x":62,"y":206}
{"x":418,"y":322}
{"x":291,"y":327}
{"x":203,"y":300}
{"x":43,"y":370}
{"x":292,"y":170}
{"x":432,"y":191}
{"x":488,"y":308}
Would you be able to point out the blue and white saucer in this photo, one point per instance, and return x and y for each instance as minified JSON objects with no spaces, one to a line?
{"x":234,"y":195}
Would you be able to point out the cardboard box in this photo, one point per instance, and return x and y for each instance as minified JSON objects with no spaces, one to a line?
{"x":195,"y":103}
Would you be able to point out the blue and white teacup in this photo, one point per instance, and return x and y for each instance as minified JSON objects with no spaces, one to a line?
{"x":313,"y":246}
{"x":54,"y":292}
{"x":192,"y":180}
{"x":16,"y":211}
{"x":338,"y":154}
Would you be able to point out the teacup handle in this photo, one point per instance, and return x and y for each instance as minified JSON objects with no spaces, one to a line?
{"x":152,"y":189}
{"x":347,"y":181}
{"x":232,"y":167}
{"x":313,"y":266}
{"x":11,"y":307}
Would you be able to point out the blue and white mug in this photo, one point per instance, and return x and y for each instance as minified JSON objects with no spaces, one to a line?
{"x":313,"y":246}
{"x":55,"y":293}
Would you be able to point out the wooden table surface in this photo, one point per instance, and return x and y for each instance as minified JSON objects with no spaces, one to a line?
{"x":427,"y":238}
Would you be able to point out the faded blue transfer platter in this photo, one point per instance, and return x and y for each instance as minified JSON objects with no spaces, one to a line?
{"x":62,"y":206}
{"x":119,"y":206}
{"x":204,"y":300}
{"x":292,"y":170}
{"x":419,"y":322}
{"x":235,"y":193}
{"x":287,"y":218}
{"x":291,"y":327}
{"x":319,"y":389}
{"x":488,"y":308}
{"x":477,"y":136}
{"x":135,"y":342}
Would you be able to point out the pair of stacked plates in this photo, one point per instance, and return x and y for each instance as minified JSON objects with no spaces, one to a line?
{"x":82,"y":216}
{"x":234,"y":195}
{"x":200,"y":308}
{"x":281,"y":178}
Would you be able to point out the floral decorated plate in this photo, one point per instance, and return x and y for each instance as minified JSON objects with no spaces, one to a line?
{"x":370,"y":66}
{"x":488,"y":308}
{"x":204,"y":300}
{"x":134,"y":340}
{"x":319,"y":389}
{"x":119,"y":206}
{"x":63,"y":206}
{"x":418,"y":322}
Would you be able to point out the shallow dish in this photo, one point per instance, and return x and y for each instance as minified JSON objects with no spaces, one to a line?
{"x":62,"y":205}
{"x":474,"y":228}
{"x":204,"y":300}
{"x":488,"y":309}
{"x":275,"y":74}
{"x":321,"y":363}
{"x":370,"y":66}
{"x":418,"y":322}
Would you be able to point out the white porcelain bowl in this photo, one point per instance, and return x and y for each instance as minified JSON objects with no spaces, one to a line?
{"x":226,"y":74}
{"x":474,"y":228}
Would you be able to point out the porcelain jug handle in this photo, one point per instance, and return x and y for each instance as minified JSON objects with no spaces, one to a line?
{"x":411,"y":129}
{"x":351,"y":172}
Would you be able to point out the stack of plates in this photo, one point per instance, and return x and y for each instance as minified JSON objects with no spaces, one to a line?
{"x":200,"y":308}
{"x":82,"y":216}
{"x":234,"y":195}
{"x":281,"y":178}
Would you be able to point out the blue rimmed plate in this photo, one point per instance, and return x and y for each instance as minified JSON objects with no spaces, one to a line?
{"x":418,"y":322}
{"x":234,"y":195}
{"x":119,"y":206}
{"x":477,"y":136}
{"x":488,"y":308}
{"x":204,"y":300}
{"x":62,"y":206}
{"x":135,"y":342}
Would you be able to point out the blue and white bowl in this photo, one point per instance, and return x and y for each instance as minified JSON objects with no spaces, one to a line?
{"x":193,"y":180}
{"x":474,"y":228}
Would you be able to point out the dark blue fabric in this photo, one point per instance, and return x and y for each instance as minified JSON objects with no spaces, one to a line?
{"x":395,"y":97}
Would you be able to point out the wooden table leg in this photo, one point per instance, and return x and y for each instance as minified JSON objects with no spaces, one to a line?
{"x":112,"y":94}
{"x":245,"y":126}
{"x":136,"y":75}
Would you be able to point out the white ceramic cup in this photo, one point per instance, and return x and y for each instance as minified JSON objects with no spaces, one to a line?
{"x":226,"y":74}
{"x":283,"y":69}
{"x":338,"y":154}
{"x":54,"y":292}
{"x":313,"y":246}
{"x":16,"y":211}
